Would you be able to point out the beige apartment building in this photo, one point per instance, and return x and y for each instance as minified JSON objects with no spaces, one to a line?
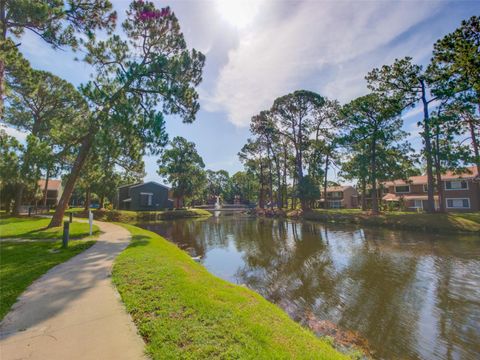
{"x":340,"y":197}
{"x":461,"y":191}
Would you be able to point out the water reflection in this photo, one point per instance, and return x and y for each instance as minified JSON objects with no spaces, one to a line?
{"x":411,"y":295}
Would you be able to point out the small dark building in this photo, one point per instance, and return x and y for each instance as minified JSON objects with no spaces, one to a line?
{"x":149,"y":196}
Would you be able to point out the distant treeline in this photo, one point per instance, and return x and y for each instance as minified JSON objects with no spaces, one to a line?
{"x":296,"y":143}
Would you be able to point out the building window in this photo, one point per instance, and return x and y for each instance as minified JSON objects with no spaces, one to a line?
{"x":335,"y":204}
{"x":335,"y":194}
{"x":402,"y":189}
{"x":458,"y":203}
{"x":417,"y":204}
{"x":146,"y":199}
{"x":425,"y":187}
{"x":456,"y":185}
{"x":52,"y":194}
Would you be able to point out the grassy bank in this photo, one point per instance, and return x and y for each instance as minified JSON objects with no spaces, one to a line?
{"x":132,"y":217}
{"x":36,"y":228}
{"x":183,"y":311}
{"x":450,"y":222}
{"x":21,"y":263}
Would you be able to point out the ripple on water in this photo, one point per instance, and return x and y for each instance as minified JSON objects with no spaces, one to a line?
{"x":409,"y":295}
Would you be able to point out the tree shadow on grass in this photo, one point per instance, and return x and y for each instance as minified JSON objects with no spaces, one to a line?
{"x":139,"y":240}
{"x":63,"y":286}
{"x":54,"y":235}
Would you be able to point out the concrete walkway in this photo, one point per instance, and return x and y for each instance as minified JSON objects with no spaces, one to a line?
{"x":73,"y":311}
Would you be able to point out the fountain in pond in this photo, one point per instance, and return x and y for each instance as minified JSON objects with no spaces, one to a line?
{"x":217,"y":203}
{"x":216,"y":213}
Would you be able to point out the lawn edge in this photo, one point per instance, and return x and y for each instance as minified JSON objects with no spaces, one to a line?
{"x":283,"y":316}
{"x":436,"y":223}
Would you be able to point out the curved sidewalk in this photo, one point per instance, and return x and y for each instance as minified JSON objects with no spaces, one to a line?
{"x":74,"y":311}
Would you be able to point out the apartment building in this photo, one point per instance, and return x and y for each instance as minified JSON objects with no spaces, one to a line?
{"x":461,"y":191}
{"x":340,"y":197}
{"x":54,"y":191}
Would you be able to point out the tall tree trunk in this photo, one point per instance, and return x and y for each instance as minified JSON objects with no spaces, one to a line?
{"x":473,"y":135}
{"x":2,"y":86}
{"x":102,"y":202}
{"x":24,"y":172}
{"x":8,"y":205}
{"x":299,"y":170}
{"x":18,"y":199}
{"x":293,"y":196}
{"x":261,"y":200}
{"x":279,"y":182}
{"x":428,"y":151}
{"x":298,"y":153}
{"x":3,"y":37}
{"x":285,"y":186}
{"x":373,"y":177}
{"x":72,"y":179}
{"x":270,"y":178}
{"x":299,"y":162}
{"x":438,"y":171}
{"x":325,"y":182}
{"x":3,"y":14}
{"x":45,"y":191}
{"x":441,"y":196}
{"x":279,"y":188}
{"x":364,"y":193}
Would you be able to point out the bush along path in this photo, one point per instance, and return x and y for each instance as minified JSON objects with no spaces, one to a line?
{"x":73,"y":311}
{"x":133,"y":217}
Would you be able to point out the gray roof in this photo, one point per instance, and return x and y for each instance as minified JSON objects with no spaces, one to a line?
{"x":150,"y":182}
{"x":128,"y":185}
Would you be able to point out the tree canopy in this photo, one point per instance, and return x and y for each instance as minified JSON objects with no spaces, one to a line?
{"x":182,"y":167}
{"x":137,"y":82}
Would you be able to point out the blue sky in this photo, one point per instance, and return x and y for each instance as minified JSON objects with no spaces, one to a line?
{"x":259,"y":50}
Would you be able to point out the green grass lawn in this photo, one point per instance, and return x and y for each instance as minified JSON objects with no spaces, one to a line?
{"x":474,"y":217}
{"x":448,"y":222}
{"x":184,"y":312}
{"x":69,"y":210}
{"x":21,"y":263}
{"x":36,"y":228}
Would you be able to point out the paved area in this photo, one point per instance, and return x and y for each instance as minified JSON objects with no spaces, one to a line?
{"x":74,"y":311}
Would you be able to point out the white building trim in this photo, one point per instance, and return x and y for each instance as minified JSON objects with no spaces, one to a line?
{"x":402,"y":192}
{"x":457,"y":207}
{"x":456,"y":181}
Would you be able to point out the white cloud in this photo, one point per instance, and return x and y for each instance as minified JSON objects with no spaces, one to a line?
{"x":19,"y":135}
{"x":413,"y":115}
{"x":412,"y":112}
{"x":324,"y":46}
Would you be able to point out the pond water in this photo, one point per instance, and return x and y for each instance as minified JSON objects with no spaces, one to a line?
{"x":410,"y":295}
